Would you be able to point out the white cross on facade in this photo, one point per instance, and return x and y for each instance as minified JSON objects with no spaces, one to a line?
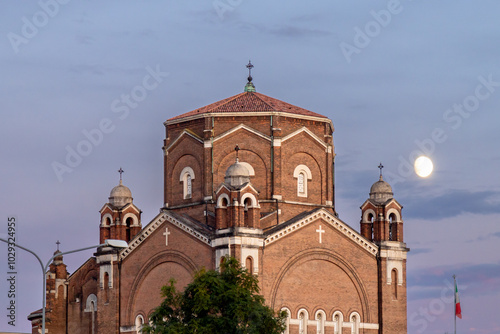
{"x":320,"y":231}
{"x":166,"y":234}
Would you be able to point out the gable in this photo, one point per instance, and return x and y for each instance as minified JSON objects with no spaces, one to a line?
{"x":155,"y":224}
{"x":278,"y":233}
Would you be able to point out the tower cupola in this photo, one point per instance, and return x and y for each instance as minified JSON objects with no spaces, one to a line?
{"x":120,"y":195}
{"x":381,"y":191}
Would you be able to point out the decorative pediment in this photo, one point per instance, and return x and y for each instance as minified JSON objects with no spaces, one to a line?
{"x":278,"y":233}
{"x":155,"y":224}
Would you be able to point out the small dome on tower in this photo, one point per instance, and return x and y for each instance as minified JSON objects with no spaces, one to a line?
{"x":237,"y":174}
{"x":120,"y":195}
{"x":58,"y":259}
{"x":381,"y":191}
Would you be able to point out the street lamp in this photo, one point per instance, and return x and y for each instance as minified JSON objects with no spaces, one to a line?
{"x":107,"y":243}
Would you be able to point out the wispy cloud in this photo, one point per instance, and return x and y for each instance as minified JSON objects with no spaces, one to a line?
{"x":451,"y":204}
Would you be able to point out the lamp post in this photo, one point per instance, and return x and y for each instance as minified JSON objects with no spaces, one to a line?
{"x":107,"y":243}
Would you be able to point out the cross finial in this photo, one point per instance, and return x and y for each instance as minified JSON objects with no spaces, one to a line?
{"x":58,"y":243}
{"x":237,"y":148}
{"x":249,"y":66}
{"x":380,"y":167}
{"x":121,"y":171}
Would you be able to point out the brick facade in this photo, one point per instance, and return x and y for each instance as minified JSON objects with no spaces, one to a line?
{"x":270,"y":204}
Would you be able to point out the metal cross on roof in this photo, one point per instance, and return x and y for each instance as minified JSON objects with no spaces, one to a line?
{"x":121,"y":171}
{"x":236,"y":148}
{"x":381,"y":167}
{"x":249,"y":66}
{"x":58,"y":243}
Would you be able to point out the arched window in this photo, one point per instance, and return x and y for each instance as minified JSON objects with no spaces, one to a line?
{"x":338,"y":322}
{"x":187,"y":177}
{"x":302,"y":173}
{"x":320,"y":322}
{"x":92,"y":315}
{"x":287,"y":321}
{"x":139,"y":322}
{"x":249,"y":264}
{"x":394,"y":283}
{"x":303,"y":317}
{"x":300,"y":183}
{"x":246,"y":216}
{"x":355,"y":321}
{"x":90,"y":307}
{"x":129,"y":222}
{"x":393,"y":227}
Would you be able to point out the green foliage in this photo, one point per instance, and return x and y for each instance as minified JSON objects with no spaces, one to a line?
{"x":227,"y":303}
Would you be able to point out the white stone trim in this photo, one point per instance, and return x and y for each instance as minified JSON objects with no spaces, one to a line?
{"x":277,"y":142}
{"x":103,"y":220}
{"x":320,"y":323}
{"x":306,"y":174}
{"x":337,"y":325}
{"x":91,"y":298}
{"x":398,"y":265}
{"x":254,"y":254}
{"x":239,"y":127}
{"x":355,"y":322}
{"x":287,"y":321}
{"x":396,"y":213}
{"x":183,"y":178}
{"x":219,"y":201}
{"x":151,"y":227}
{"x":306,"y":130}
{"x":207,"y":144}
{"x":255,"y":204}
{"x":238,"y":240}
{"x":139,"y":322}
{"x":135,"y":220}
{"x":249,"y":114}
{"x":365,"y":216}
{"x":333,"y":222}
{"x":185,"y":132}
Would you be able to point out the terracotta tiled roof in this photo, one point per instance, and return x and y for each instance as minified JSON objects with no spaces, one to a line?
{"x":249,"y":102}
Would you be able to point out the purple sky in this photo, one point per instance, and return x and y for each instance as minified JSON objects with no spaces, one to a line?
{"x":395,"y":77}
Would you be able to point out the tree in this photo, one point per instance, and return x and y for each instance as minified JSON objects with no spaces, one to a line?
{"x":225,"y":302}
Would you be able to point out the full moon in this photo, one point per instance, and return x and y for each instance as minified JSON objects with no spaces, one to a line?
{"x":423,"y":166}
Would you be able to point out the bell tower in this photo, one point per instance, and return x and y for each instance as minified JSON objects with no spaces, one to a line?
{"x":382,"y":223}
{"x":237,"y":217}
{"x":120,"y":218}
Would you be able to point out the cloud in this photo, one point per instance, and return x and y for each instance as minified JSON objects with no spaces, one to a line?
{"x":294,"y":32}
{"x":415,"y":251}
{"x":473,"y":279}
{"x":451,"y":204}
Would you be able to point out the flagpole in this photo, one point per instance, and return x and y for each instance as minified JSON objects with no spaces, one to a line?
{"x":455,"y":304}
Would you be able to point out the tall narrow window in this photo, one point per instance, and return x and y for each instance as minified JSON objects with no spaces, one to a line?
{"x":303,"y":322}
{"x":394,"y":279}
{"x":355,"y":320}
{"x":302,"y":173}
{"x":300,"y":183}
{"x":139,"y":322}
{"x":187,"y":177}
{"x":338,"y":320}
{"x":92,"y":315}
{"x":188,"y":187}
{"x":320,"y":322}
{"x":249,"y":264}
{"x":106,"y":288}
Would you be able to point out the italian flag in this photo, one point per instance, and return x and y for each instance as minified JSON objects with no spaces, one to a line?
{"x":458,"y":310}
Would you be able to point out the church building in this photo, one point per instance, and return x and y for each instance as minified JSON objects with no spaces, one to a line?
{"x":251,"y":177}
